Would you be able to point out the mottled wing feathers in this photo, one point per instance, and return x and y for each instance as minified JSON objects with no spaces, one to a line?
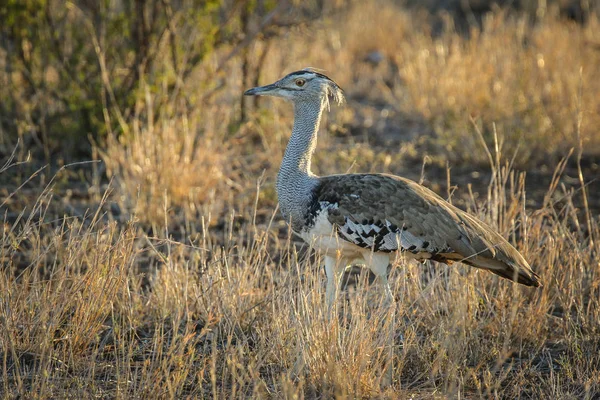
{"x":388,"y":213}
{"x":390,"y":204}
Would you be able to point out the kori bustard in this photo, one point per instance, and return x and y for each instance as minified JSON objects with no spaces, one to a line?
{"x":373,"y":216}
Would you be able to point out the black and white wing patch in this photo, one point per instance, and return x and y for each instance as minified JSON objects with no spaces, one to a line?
{"x":386,"y":214}
{"x":384,"y":236}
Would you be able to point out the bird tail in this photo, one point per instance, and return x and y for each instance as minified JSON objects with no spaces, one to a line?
{"x":509,"y":270}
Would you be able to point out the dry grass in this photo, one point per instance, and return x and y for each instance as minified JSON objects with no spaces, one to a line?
{"x":530,"y":79}
{"x":158,"y":164}
{"x":230,"y":320}
{"x":182,"y":281}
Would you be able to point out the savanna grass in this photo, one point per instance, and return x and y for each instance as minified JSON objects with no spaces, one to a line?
{"x":183,"y":281}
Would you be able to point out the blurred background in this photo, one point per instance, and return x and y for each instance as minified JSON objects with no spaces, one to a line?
{"x":153,"y":89}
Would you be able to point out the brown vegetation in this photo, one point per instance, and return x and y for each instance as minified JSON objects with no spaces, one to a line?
{"x":164,"y":269}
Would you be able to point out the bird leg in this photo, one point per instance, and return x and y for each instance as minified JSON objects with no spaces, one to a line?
{"x":334,"y":266}
{"x":378,"y":264}
{"x":388,"y":297}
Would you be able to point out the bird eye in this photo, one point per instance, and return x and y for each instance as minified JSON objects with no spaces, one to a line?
{"x":300,"y":82}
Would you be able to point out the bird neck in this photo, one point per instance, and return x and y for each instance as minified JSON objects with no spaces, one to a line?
{"x":302,"y":144}
{"x":295,"y":179}
{"x":298,"y":154}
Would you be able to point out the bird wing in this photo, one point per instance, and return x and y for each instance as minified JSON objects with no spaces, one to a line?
{"x":388,"y":213}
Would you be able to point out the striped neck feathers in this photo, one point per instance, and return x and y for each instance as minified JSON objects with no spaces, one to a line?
{"x":295,"y":180}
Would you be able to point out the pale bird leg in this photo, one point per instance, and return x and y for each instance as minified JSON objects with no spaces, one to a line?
{"x":334,"y":267}
{"x":378,"y":264}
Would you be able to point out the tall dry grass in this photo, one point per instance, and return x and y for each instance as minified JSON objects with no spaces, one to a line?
{"x":171,"y":161}
{"x":526,"y":76}
{"x":528,"y":80}
{"x":103,"y":308}
{"x":183,"y":280}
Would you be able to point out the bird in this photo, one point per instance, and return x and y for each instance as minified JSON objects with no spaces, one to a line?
{"x":373,"y":216}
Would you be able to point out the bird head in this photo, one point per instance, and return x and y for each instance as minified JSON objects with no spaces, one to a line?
{"x":305,"y":85}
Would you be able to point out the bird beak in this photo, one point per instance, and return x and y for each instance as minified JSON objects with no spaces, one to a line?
{"x":261,"y":90}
